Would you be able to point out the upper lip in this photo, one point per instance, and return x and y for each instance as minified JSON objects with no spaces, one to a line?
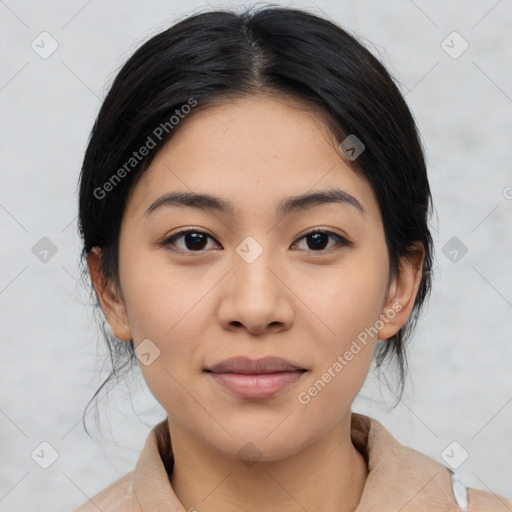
{"x":254,"y":366}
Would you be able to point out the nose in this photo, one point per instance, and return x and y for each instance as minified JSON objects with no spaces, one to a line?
{"x":256,"y":296}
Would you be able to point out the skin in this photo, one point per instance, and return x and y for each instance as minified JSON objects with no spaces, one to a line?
{"x":294,"y":301}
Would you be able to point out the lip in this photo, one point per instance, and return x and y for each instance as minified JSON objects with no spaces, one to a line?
{"x":261,"y":378}
{"x":250,"y":366}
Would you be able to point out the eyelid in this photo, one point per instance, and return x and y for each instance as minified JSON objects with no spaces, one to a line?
{"x":343,"y":240}
{"x":168,"y":240}
{"x":326,"y":230}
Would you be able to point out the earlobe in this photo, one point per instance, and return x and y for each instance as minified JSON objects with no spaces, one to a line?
{"x":402,"y":292}
{"x":111,"y":303}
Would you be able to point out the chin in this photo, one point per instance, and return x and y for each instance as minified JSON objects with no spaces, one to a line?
{"x":255,"y":443}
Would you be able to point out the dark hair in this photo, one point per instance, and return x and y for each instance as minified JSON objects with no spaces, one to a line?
{"x":216,"y":56}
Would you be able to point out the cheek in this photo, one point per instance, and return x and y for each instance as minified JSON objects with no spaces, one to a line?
{"x":348,"y":300}
{"x":165,"y":304}
{"x":168,"y":304}
{"x":161,"y":296}
{"x":345,"y":300}
{"x":330,"y":391}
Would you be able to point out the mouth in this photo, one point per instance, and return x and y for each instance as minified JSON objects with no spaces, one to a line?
{"x":247,"y":366}
{"x":255,"y":379}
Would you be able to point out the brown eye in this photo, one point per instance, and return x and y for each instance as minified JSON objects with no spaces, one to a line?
{"x":191,"y":241}
{"x":318,"y":240}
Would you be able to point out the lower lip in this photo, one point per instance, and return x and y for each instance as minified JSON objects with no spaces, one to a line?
{"x":261,"y":385}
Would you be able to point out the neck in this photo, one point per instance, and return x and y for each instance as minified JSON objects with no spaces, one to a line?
{"x":328,"y":475}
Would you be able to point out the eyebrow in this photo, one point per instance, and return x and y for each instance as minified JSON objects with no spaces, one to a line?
{"x":287,"y":205}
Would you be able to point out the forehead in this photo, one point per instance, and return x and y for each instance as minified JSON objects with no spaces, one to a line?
{"x":253,"y":151}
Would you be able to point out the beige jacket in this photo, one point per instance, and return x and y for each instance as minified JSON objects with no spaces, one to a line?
{"x":399,"y":479}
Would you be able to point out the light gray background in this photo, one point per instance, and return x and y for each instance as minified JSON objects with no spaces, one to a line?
{"x":461,"y":388}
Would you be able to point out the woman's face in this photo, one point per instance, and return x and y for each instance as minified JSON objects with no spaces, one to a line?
{"x":254,"y":284}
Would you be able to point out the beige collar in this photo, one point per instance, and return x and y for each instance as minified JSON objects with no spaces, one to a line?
{"x":399,"y":478}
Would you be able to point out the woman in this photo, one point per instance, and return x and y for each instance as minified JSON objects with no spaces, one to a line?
{"x":254,"y":205}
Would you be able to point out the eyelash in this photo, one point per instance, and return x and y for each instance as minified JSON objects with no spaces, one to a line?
{"x":343,"y":242}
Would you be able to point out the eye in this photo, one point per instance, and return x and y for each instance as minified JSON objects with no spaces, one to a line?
{"x":193,"y":240}
{"x":318,"y":239}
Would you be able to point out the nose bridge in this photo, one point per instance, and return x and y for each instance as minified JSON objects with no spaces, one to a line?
{"x":251,"y":267}
{"x":255,"y":297}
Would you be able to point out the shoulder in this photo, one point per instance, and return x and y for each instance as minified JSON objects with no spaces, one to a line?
{"x":477,"y":500}
{"x":402,"y":478}
{"x":144,"y":488}
{"x":117,"y":497}
{"x":486,"y":501}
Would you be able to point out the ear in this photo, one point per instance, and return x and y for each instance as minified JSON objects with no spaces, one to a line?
{"x":110,"y":300}
{"x":402,"y":292}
